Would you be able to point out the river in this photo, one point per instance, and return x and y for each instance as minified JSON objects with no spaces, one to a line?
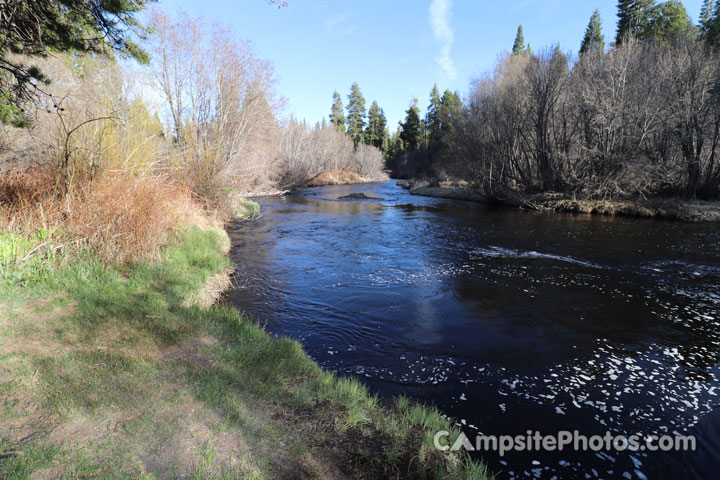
{"x":507,"y":320}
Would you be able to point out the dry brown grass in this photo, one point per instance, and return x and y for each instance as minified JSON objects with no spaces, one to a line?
{"x":669,"y":208}
{"x":18,"y":186}
{"x":674,"y":209}
{"x":125,"y":219}
{"x":336,"y":177}
{"x":120,"y":218}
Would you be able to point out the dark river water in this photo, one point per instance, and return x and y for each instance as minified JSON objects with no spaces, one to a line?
{"x":506,"y":320}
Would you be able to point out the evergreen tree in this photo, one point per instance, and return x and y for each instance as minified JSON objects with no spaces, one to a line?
{"x":375,"y":133}
{"x":432,"y":118}
{"x":337,"y":115}
{"x":38,"y":27}
{"x":519,"y":45}
{"x":356,"y":114}
{"x":710,"y":25}
{"x":633,"y":18}
{"x":395,"y":144}
{"x":411,"y":129}
{"x":707,"y":15}
{"x":668,"y":20}
{"x":559,"y":59}
{"x":594,"y":40}
{"x":451,"y":109}
{"x":369,"y":137}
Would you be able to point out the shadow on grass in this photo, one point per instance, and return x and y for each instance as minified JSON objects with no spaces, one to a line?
{"x":127,"y":318}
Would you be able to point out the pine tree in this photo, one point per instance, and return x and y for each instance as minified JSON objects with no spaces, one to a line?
{"x":432,"y":118}
{"x":633,"y":18}
{"x":395,"y":144}
{"x":385,"y":134}
{"x":356,"y":114}
{"x":707,"y":15}
{"x":559,"y":61}
{"x":411,"y":129}
{"x":519,"y":45}
{"x":668,"y":20}
{"x":594,"y":40}
{"x":375,"y":133}
{"x":36,"y":28}
{"x":451,"y":109}
{"x":710,"y":28}
{"x":369,"y":137}
{"x":337,"y":115}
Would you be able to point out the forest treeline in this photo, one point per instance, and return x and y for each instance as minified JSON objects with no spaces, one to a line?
{"x":195,"y":123}
{"x":638,"y":117}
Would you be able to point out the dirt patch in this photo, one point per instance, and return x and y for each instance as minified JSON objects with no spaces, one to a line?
{"x":170,"y":434}
{"x":193,"y":352}
{"x":195,"y":445}
{"x":29,"y":330}
{"x":203,"y":442}
{"x":84,"y":429}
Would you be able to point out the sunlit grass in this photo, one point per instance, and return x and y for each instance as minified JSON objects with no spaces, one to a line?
{"x":120,"y":322}
{"x":247,"y":208}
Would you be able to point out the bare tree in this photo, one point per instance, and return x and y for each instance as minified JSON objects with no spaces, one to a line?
{"x":221,"y":101}
{"x":642,"y":119}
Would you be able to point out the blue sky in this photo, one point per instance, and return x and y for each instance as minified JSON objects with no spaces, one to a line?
{"x":394,"y":49}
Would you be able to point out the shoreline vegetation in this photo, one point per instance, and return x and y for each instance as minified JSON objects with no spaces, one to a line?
{"x":132,"y":371}
{"x":343,"y":177}
{"x":668,"y":209}
{"x":592,"y":131}
{"x":115,"y":358}
{"x":116,"y":180}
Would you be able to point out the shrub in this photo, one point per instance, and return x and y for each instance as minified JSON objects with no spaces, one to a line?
{"x":118,"y":217}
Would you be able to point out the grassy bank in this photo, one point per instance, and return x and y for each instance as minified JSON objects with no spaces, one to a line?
{"x":117,"y":371}
{"x":666,"y":208}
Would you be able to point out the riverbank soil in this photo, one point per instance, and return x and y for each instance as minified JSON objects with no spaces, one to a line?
{"x":666,"y":208}
{"x":129,"y":371}
{"x":340,"y":177}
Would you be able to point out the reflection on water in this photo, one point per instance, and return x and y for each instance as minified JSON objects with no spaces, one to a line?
{"x":507,"y":320}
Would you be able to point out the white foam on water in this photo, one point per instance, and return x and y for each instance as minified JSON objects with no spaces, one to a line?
{"x":500,"y":252}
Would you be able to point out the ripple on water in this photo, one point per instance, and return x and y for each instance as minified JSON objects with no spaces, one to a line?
{"x":500,"y":252}
{"x":605,"y":386}
{"x":623,"y":317}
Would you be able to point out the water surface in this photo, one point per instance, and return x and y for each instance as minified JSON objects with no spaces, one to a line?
{"x":507,"y":320}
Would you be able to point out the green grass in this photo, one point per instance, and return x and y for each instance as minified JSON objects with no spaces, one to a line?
{"x":243,"y":208}
{"x":248,"y":208}
{"x":127,"y":369}
{"x":28,"y":259}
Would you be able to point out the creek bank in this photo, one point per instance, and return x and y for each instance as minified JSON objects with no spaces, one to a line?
{"x":341,"y":177}
{"x":132,"y":371}
{"x":663,"y":208}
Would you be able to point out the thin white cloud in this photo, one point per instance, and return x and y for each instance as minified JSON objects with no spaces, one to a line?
{"x":340,"y":25}
{"x":440,"y":12}
{"x":336,"y":20}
